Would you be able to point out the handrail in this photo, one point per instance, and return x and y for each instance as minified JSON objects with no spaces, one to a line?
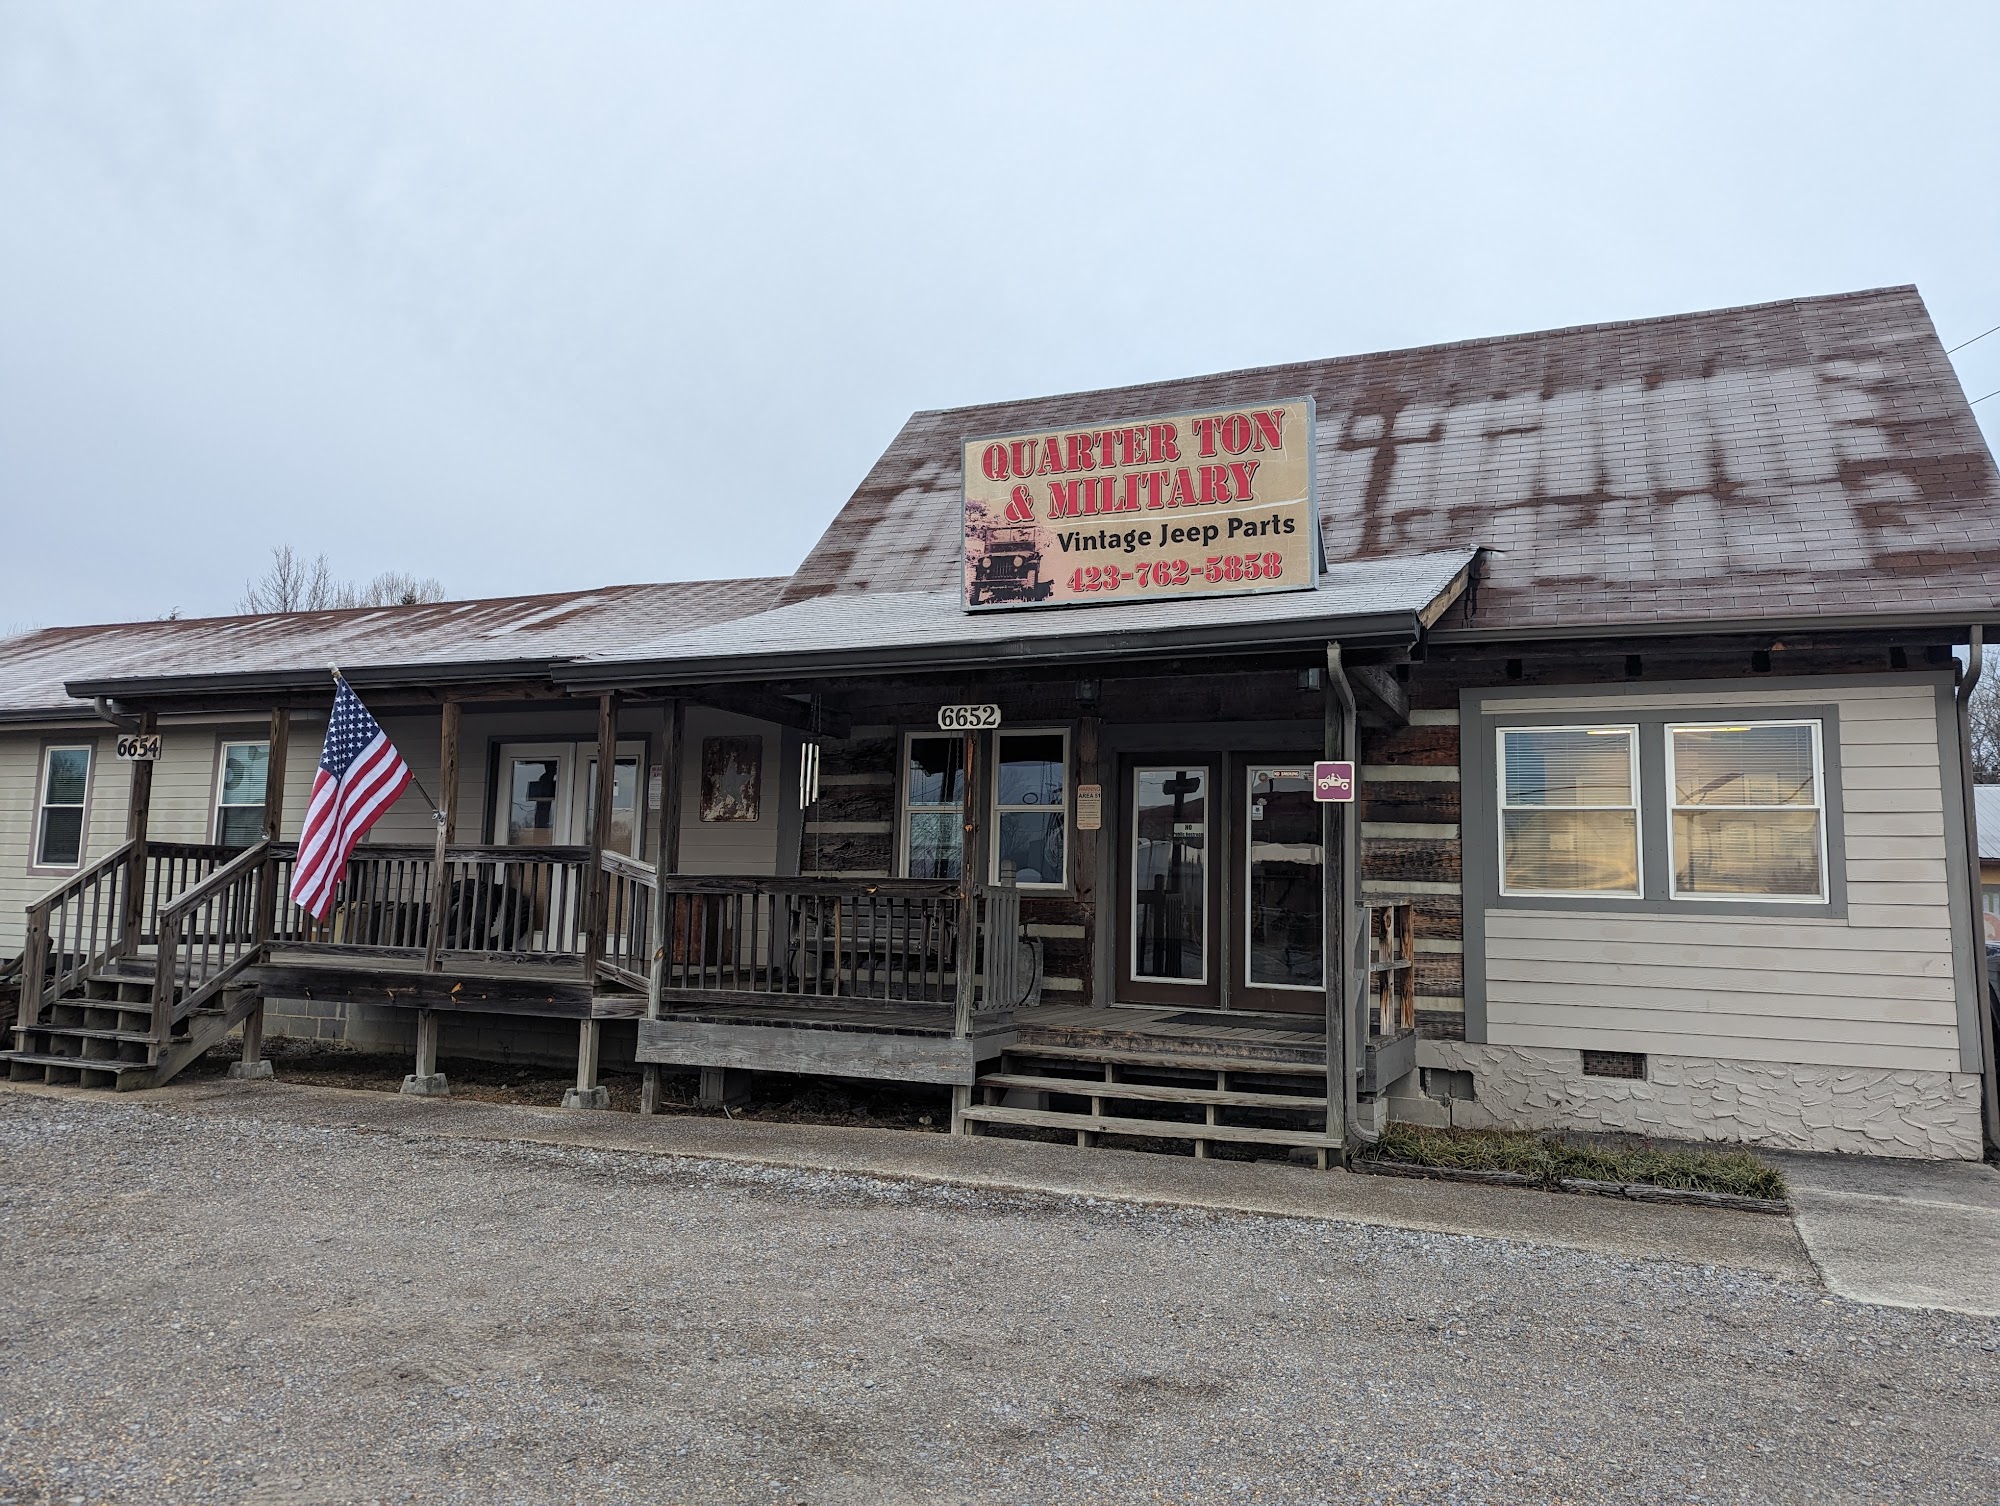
{"x":72,"y":930}
{"x":861,"y":888}
{"x":466,"y":851}
{"x":225,"y":941}
{"x":84,"y":876}
{"x":249,"y":857}
{"x":627,"y":867}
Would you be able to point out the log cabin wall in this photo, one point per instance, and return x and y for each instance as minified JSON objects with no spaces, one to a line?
{"x":852,"y":830}
{"x":1409,"y":810}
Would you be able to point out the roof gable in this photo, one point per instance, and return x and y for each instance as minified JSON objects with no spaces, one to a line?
{"x":1798,"y":459}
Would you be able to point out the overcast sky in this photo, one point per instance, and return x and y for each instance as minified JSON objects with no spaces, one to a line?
{"x":532,"y":297}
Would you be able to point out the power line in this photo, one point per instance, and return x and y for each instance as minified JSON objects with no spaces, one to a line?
{"x":1973,"y":341}
{"x":1994,"y":393}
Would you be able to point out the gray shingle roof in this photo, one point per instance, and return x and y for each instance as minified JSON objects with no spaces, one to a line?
{"x":35,"y":667}
{"x":912,"y":627}
{"x":1807,"y":458}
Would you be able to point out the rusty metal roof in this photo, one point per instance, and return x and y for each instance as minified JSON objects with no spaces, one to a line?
{"x":1792,"y":461}
{"x":56,"y":670}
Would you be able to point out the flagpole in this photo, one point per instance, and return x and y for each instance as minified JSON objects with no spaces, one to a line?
{"x":437,"y":811}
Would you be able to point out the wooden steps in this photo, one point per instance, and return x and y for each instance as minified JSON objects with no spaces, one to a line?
{"x":1151,"y":1092}
{"x":102,"y":1037}
{"x":75,"y":1071}
{"x":1090,"y":1087}
{"x":1165,"y":1058}
{"x":1143,"y":1128}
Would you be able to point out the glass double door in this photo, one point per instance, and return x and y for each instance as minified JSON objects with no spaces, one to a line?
{"x":1222,"y":876}
{"x":547,"y":796}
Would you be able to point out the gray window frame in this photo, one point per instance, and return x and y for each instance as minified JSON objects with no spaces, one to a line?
{"x":1736,"y":902}
{"x":1637,"y":807}
{"x":1480,"y":726}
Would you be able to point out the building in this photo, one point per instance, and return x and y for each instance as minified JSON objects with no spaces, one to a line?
{"x":1641,"y":647}
{"x":1986,"y":812}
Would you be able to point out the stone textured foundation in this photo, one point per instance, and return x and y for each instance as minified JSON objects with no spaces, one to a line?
{"x":1876,"y":1111}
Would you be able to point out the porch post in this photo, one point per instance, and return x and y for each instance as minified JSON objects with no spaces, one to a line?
{"x":588,"y":1092}
{"x":427,"y":1081}
{"x":600,"y":834}
{"x":1336,"y":826}
{"x":666,"y":861}
{"x":252,"y":1064}
{"x":447,"y":831}
{"x":138,"y":814}
{"x":971,"y":871}
{"x":1089,"y":734}
{"x":278,"y":744}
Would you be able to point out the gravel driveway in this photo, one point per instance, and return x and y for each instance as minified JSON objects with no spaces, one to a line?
{"x":215,"y":1309}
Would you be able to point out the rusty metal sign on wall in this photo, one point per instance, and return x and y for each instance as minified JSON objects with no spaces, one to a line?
{"x":1214,"y":503}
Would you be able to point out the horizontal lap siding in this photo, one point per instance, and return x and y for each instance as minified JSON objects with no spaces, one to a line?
{"x":20,"y":776}
{"x":1875,"y":989}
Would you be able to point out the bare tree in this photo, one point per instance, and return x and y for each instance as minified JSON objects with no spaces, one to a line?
{"x":294,"y":583}
{"x":393,"y":588}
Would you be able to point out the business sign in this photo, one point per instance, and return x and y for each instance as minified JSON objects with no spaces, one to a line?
{"x":1333,"y":781}
{"x":1214,"y":503}
{"x":1090,"y":807}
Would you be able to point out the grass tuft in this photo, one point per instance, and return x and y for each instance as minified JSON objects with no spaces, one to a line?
{"x":1549,"y":1158}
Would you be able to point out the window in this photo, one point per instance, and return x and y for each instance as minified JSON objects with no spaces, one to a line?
{"x":1747,"y":811}
{"x":1031,"y":808}
{"x":239,"y":794}
{"x":1170,"y":875}
{"x":1284,"y":911}
{"x":59,"y":821}
{"x":1569,"y":810}
{"x":933,"y":806}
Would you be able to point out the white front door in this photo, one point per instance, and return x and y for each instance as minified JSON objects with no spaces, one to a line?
{"x":546,"y":795}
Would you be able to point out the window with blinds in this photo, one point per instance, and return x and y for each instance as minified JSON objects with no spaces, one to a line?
{"x":1569,"y":810}
{"x":1748,"y":811}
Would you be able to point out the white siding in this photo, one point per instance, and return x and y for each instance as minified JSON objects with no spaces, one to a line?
{"x":745,"y":847}
{"x":183,"y":807}
{"x":1875,"y":989}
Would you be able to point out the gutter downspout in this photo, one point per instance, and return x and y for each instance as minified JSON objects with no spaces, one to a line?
{"x":1990,"y":1098}
{"x":107,"y":710}
{"x":1340,"y":1029}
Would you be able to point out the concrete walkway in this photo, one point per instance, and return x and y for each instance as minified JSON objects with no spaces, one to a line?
{"x":1901,"y":1233}
{"x":1700,"y":1236}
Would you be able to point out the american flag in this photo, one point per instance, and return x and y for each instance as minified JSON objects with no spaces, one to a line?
{"x":360,"y":776}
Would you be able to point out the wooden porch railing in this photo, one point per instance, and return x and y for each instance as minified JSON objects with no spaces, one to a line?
{"x":73,"y":931}
{"x":172,"y":869}
{"x":627,"y":949}
{"x":523,"y":904}
{"x":207,"y":935}
{"x":1392,"y":967}
{"x":737,"y":939}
